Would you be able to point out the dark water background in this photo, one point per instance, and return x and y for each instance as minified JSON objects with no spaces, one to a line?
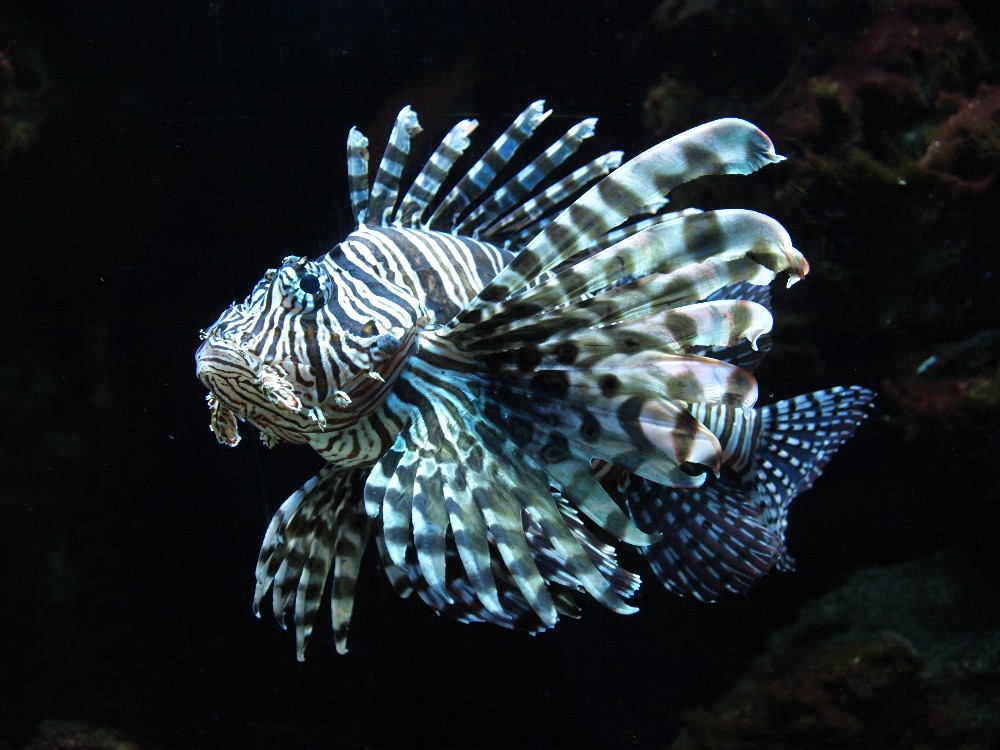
{"x":159,"y":156}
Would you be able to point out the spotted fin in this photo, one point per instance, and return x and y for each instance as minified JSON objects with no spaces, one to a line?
{"x":514,"y":399}
{"x":798,"y":438}
{"x":713,"y":541}
{"x":617,"y":393}
{"x":724,"y":535}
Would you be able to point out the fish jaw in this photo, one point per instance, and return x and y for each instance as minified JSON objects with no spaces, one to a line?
{"x":242,"y":388}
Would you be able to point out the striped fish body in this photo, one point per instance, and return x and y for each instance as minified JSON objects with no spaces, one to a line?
{"x":502,"y":389}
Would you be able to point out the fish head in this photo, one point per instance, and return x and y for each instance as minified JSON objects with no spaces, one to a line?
{"x":314,"y":348}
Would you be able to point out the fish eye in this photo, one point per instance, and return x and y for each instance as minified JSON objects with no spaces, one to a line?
{"x":309,"y":283}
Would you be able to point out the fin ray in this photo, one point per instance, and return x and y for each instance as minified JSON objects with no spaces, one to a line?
{"x":321,"y":526}
{"x":483,"y":172}
{"x":725,"y":146}
{"x":382,"y":200}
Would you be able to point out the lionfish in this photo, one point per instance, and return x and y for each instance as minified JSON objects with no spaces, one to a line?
{"x":499,"y":387}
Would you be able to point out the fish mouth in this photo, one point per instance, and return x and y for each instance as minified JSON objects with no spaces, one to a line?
{"x":264,"y":394}
{"x":251,"y":391}
{"x":226,"y":370}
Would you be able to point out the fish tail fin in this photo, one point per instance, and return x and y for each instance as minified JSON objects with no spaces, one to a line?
{"x":799,"y":436}
{"x":724,"y":535}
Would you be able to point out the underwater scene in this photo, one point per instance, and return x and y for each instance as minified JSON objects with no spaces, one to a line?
{"x":500,"y":375}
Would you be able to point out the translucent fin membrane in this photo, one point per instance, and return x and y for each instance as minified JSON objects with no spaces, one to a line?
{"x":715,"y":543}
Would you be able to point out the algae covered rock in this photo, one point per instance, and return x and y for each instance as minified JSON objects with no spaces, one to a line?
{"x":901,"y":656}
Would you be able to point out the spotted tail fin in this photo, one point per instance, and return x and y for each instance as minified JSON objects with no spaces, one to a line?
{"x":724,"y":535}
{"x":798,"y":438}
